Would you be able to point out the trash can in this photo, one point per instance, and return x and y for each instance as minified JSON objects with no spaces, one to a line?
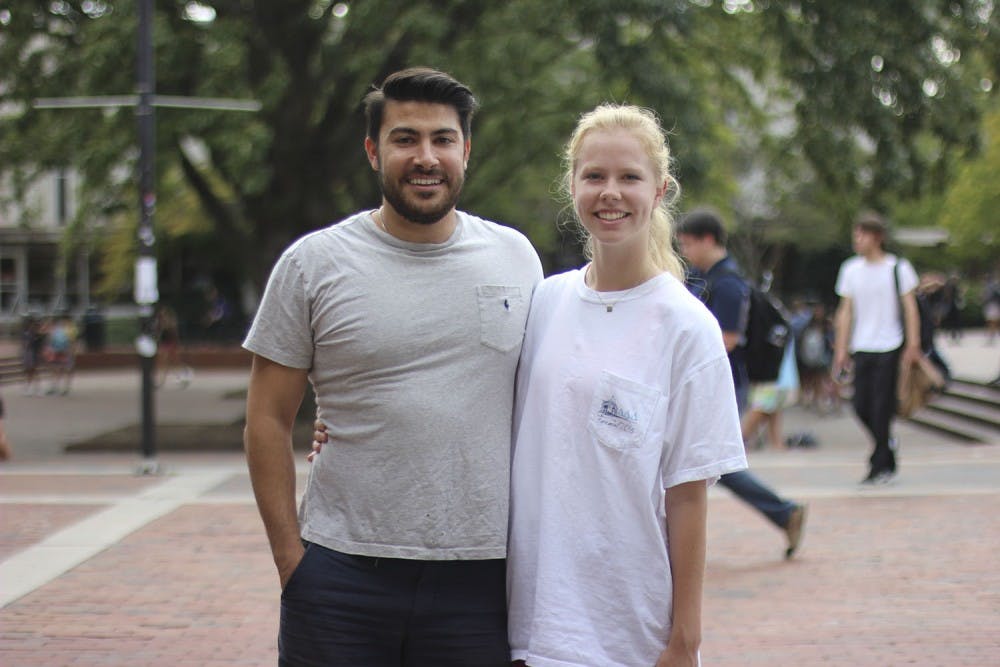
{"x":93,"y":330}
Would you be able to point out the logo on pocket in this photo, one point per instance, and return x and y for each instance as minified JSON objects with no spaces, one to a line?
{"x":613,"y":415}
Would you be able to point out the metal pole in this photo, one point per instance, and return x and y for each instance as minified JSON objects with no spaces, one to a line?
{"x":146,"y":293}
{"x":146,"y":290}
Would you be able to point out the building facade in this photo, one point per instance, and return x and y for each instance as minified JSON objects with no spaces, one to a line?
{"x":37,"y":274}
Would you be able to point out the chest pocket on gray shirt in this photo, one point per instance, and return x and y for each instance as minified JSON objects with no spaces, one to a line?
{"x":621,"y":411}
{"x":502,"y":314}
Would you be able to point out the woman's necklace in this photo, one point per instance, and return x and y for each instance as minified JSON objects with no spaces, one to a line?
{"x":609,"y":306}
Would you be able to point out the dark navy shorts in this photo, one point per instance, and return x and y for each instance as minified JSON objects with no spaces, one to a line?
{"x":339,"y":609}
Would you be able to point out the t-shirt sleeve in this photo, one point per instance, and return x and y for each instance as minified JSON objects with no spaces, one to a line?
{"x":841,"y":287}
{"x":704,"y":440}
{"x":730,"y":303}
{"x":908,"y":279}
{"x":282,"y":329}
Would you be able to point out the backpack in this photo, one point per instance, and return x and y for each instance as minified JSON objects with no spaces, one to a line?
{"x":812,"y":348}
{"x":766,"y":334}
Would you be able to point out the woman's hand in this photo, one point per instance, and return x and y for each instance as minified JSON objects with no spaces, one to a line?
{"x":674,"y":656}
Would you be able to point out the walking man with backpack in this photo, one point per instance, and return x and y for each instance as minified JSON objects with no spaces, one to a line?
{"x":876,"y":319}
{"x":717,"y":280}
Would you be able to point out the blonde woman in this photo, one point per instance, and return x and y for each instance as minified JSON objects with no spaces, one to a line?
{"x":625,"y":412}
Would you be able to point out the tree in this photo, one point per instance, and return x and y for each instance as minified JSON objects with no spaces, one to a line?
{"x":787,"y":90}
{"x":970,"y":208}
{"x":262,"y":180}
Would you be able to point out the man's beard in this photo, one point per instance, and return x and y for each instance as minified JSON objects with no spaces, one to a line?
{"x":411,"y":211}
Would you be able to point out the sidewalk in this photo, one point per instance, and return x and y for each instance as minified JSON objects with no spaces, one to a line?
{"x":100,"y":566}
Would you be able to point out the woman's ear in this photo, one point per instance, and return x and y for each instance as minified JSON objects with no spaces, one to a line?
{"x":662,"y":191}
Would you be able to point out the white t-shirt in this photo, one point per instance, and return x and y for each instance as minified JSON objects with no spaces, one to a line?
{"x":611,"y":409}
{"x":877,"y":326}
{"x":412,"y":350}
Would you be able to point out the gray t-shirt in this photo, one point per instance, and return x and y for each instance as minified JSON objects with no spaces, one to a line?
{"x":411,"y":349}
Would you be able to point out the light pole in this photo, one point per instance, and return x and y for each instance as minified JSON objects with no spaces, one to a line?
{"x":146,"y":292}
{"x":146,"y":283}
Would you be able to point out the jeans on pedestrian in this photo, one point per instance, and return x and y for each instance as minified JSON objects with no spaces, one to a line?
{"x":875,"y":377}
{"x":745,"y":485}
{"x":752,"y":491}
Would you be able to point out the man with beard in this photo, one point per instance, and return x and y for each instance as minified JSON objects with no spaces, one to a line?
{"x":408,"y":322}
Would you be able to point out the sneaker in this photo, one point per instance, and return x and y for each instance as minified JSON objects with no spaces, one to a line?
{"x":793,"y":531}
{"x":879,"y":478}
{"x":804,"y":440}
{"x":884,"y":478}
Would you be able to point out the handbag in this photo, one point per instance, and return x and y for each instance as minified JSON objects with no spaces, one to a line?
{"x":918,"y":382}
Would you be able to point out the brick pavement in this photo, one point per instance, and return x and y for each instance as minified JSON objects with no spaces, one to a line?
{"x":890,"y":577}
{"x":904,"y":575}
{"x":888,"y":580}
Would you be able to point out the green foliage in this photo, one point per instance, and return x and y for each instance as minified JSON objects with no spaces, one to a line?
{"x":787,"y":115}
{"x":891,"y":71}
{"x":121,"y":331}
{"x":971,"y":204}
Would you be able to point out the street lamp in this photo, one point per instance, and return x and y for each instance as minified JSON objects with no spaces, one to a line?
{"x":146,"y":293}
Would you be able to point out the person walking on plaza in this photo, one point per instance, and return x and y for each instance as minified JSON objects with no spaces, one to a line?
{"x":5,"y":449}
{"x":991,"y":306}
{"x":33,"y":341}
{"x":396,"y":556}
{"x":814,"y":354}
{"x":949,"y":319}
{"x":168,"y":349}
{"x":624,"y":409}
{"x":62,"y":348}
{"x":717,"y":280}
{"x":875,"y":319}
{"x":767,"y":400}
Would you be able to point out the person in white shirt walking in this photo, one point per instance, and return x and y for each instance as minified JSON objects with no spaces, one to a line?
{"x":876,"y":314}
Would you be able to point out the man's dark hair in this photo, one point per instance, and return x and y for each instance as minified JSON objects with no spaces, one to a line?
{"x":701,"y":223}
{"x":870,"y":221}
{"x":420,"y":84}
{"x":873,"y":223}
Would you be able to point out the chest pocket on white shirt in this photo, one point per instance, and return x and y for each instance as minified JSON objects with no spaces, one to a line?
{"x":621,"y":411}
{"x":502,"y":314}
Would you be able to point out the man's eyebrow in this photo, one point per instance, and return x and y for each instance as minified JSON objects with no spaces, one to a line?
{"x":413,"y":131}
